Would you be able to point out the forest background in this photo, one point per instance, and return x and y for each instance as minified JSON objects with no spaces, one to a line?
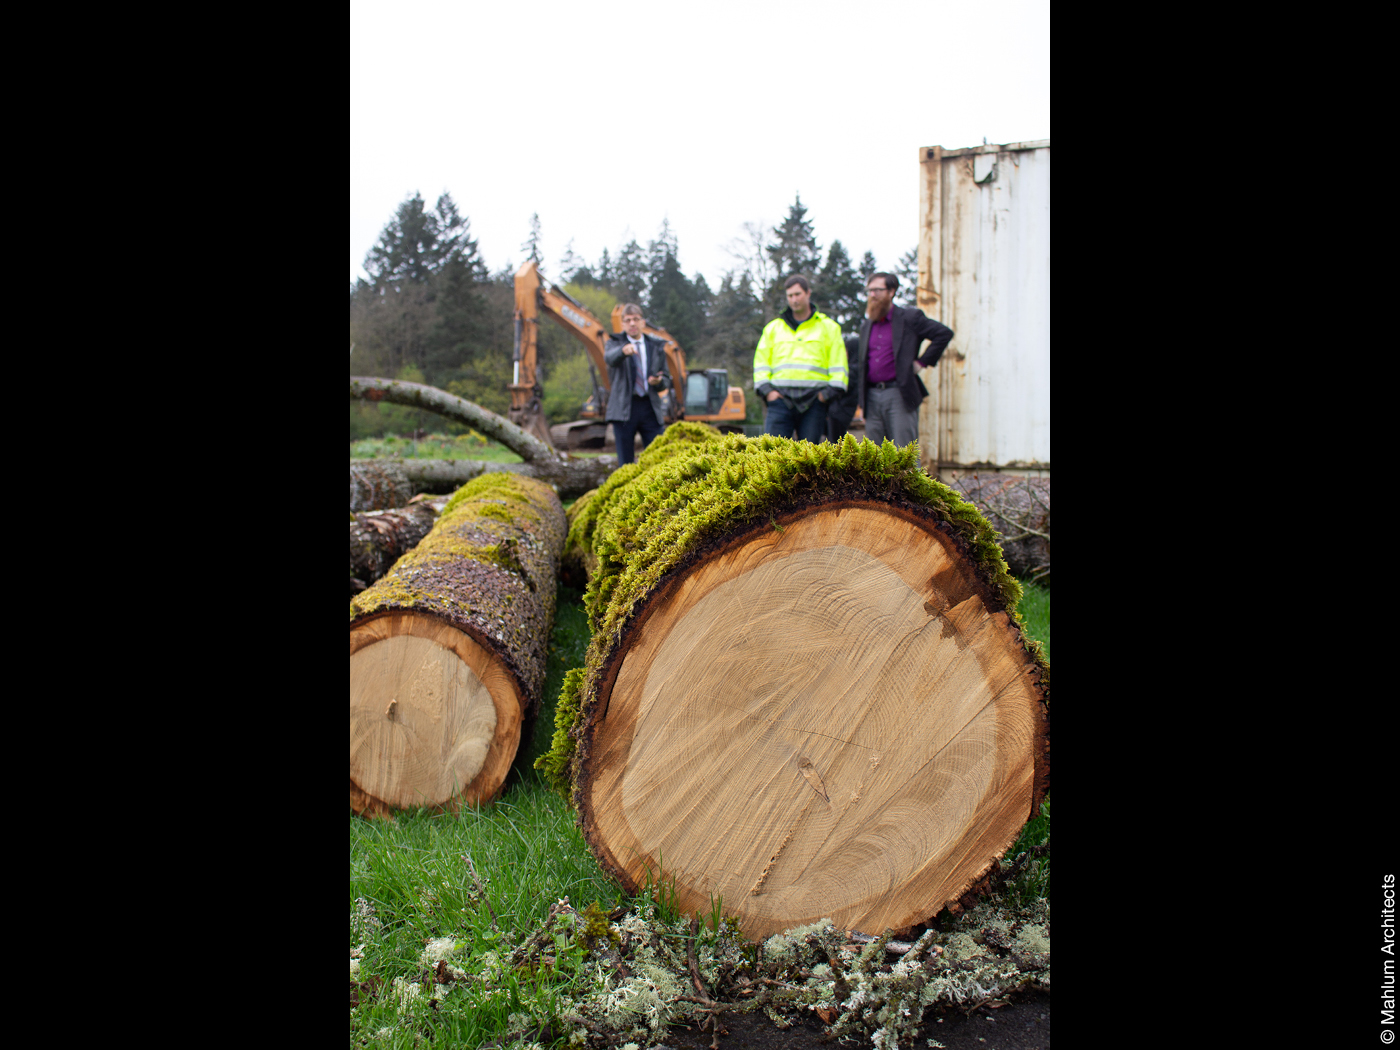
{"x":430,"y":311}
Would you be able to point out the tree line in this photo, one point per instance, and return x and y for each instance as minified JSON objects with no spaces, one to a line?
{"x":430,"y":312}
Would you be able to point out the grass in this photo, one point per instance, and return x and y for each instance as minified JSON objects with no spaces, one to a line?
{"x":467,"y":888}
{"x":1035,"y":611}
{"x":483,"y":879}
{"x":470,"y":445}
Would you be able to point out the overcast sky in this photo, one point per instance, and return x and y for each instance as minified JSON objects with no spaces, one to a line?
{"x":607,"y":117}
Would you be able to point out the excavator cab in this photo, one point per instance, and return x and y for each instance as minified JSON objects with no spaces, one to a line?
{"x":705,"y":391}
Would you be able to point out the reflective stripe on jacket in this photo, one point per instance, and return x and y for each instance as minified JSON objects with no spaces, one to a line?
{"x":813,"y":355}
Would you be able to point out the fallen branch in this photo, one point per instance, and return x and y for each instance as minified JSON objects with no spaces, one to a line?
{"x":482,"y":420}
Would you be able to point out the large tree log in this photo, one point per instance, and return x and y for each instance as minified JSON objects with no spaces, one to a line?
{"x":378,"y":538}
{"x":447,"y":650}
{"x":378,"y":484}
{"x":807,"y":691}
{"x":568,"y":475}
{"x":1019,"y":509}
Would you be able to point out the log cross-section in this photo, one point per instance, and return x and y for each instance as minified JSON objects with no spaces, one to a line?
{"x":447,"y":650}
{"x":452,"y":723}
{"x":827,"y":712}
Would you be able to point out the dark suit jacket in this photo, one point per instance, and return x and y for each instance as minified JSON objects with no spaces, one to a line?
{"x":908,"y":328}
{"x":622,"y":370}
{"x":842,"y":410}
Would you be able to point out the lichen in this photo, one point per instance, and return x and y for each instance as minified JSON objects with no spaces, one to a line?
{"x":879,"y":992}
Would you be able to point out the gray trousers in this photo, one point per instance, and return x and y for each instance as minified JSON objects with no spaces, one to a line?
{"x":887,"y":416}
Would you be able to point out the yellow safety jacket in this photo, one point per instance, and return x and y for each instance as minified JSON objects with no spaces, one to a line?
{"x":812,"y":355}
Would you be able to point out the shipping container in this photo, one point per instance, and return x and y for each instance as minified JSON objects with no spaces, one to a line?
{"x":984,"y":271}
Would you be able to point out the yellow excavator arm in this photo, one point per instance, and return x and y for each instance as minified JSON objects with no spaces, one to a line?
{"x":719,"y":402}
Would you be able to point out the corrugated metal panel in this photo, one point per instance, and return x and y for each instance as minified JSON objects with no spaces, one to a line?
{"x":984,"y":270}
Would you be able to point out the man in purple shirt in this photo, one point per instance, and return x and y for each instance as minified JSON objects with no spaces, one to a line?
{"x":887,"y":362}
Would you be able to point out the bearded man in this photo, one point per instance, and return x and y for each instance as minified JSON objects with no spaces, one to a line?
{"x":888,"y":388}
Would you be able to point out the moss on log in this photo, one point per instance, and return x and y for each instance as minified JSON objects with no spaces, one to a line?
{"x":806,"y":670}
{"x":448,"y":649}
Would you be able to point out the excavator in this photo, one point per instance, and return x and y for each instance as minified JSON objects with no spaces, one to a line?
{"x":706,"y":397}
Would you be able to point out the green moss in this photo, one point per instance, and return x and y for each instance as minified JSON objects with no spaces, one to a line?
{"x":499,"y":484}
{"x":694,"y":486}
{"x":597,"y":928}
{"x":583,"y":517}
{"x":554,"y":763}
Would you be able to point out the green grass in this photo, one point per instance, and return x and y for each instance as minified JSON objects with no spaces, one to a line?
{"x":1035,"y":612}
{"x":411,"y":887}
{"x":416,"y":886}
{"x":435,"y":446}
{"x":1034,"y":881}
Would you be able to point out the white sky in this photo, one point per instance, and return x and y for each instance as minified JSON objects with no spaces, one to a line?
{"x":607,"y":117}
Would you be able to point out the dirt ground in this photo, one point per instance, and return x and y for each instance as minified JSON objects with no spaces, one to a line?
{"x":1023,"y":1024}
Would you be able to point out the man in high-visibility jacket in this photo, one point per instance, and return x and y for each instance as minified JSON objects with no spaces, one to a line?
{"x":799,"y":366}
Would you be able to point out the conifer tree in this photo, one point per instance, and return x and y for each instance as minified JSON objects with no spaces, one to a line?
{"x":839,"y":290}
{"x":794,"y":252}
{"x":531,"y":247}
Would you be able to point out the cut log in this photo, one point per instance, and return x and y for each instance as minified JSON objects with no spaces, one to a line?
{"x":378,"y":484}
{"x":447,"y":650}
{"x":378,"y":538}
{"x":1019,"y":509}
{"x":568,"y":475}
{"x":807,"y":692}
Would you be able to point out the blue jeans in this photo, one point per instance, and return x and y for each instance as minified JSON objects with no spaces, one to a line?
{"x":782,"y":421}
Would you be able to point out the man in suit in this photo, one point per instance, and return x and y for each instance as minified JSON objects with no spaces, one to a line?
{"x":887,"y":366}
{"x":637,"y":373}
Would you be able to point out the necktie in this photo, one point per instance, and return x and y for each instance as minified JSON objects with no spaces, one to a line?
{"x":640,"y":368}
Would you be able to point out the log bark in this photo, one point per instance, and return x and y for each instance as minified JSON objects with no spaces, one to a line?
{"x":807,"y":691}
{"x":378,"y":484}
{"x":1019,"y":509}
{"x":378,"y":538}
{"x":447,"y":650}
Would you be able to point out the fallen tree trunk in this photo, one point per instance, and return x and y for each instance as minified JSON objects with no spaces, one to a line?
{"x":1019,"y":509}
{"x":807,"y":692}
{"x":378,"y":484}
{"x":378,"y":538}
{"x":569,"y":476}
{"x":447,"y":650}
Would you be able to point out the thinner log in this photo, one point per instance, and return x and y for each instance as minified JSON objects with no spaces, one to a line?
{"x":807,"y":691}
{"x":1019,"y":509}
{"x":378,"y":484}
{"x":448,"y":649}
{"x":379,"y":537}
{"x":569,"y":477}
